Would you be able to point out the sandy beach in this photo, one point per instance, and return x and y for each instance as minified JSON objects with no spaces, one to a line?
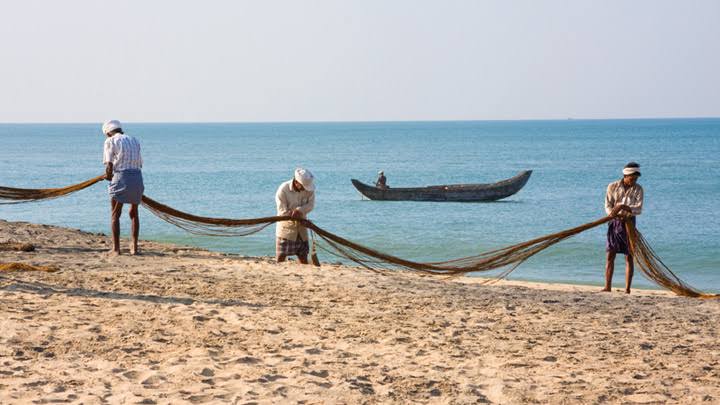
{"x":184,"y":325}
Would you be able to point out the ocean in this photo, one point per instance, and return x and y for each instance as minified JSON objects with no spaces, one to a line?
{"x":233,"y":170}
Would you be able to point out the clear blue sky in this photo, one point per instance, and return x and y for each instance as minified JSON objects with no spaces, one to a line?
{"x":162,"y":60}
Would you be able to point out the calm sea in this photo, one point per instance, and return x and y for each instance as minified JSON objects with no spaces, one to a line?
{"x":233,"y":170}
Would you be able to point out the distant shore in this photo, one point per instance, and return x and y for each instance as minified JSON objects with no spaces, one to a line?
{"x":184,"y":324}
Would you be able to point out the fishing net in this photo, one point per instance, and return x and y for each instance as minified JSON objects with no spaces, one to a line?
{"x":654,"y":269}
{"x":15,"y":266}
{"x":505,"y":260}
{"x":208,"y":226}
{"x":10,"y":195}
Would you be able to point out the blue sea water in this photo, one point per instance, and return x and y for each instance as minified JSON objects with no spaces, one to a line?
{"x":233,"y":170}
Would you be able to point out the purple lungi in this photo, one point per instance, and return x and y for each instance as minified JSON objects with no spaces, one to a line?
{"x":617,"y":240}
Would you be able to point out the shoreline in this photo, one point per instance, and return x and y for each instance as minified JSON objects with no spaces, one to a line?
{"x":182,"y":324}
{"x":568,"y":287}
{"x":467,"y":279}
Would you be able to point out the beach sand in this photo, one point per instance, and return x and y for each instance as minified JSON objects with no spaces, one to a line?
{"x":183,"y":325}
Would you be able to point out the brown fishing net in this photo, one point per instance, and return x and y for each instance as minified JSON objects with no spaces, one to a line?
{"x":653,"y":267}
{"x":15,"y":266}
{"x":505,"y":260}
{"x":206,"y":225}
{"x":509,"y":257}
{"x":9,"y":195}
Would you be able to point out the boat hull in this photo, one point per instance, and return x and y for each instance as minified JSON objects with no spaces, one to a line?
{"x":448,"y":193}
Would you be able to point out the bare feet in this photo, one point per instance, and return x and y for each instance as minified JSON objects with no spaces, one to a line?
{"x":112,"y":253}
{"x":606,"y":290}
{"x":627,"y":291}
{"x":135,"y":251}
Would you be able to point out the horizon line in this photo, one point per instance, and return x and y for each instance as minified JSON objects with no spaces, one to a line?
{"x":369,"y":121}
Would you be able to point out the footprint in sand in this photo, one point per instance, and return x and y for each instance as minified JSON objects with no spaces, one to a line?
{"x":131,"y":375}
{"x":362,"y":384}
{"x":197,"y":399}
{"x":153,"y":381}
{"x":270,"y":378}
{"x":247,"y":360}
{"x":319,"y":373}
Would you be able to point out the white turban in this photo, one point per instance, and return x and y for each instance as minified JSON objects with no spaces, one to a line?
{"x":304,"y":177}
{"x":111,"y":125}
{"x":631,"y":170}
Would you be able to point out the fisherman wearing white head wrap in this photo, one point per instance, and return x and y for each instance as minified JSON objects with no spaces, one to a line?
{"x":623,"y":202}
{"x":123,"y":169}
{"x":295,"y":198}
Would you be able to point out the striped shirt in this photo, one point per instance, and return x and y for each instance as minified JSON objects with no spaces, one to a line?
{"x":618,"y":193}
{"x":123,"y":152}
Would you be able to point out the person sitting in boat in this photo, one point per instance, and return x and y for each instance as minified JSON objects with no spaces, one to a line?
{"x":381,"y":181}
{"x":623,"y":202}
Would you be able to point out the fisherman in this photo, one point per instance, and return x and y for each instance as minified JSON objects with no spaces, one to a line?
{"x":123,"y":165}
{"x":381,"y":181}
{"x":623,"y":202}
{"x":295,"y":198}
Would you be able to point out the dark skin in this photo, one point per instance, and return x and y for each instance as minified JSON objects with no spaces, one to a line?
{"x":381,"y":181}
{"x":624,"y":212}
{"x":116,"y":212}
{"x":297,"y":214}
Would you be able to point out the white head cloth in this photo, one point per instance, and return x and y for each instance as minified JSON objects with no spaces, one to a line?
{"x":631,"y":170}
{"x":304,"y":177}
{"x":110,"y":126}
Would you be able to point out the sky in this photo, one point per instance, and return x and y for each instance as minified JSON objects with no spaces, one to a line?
{"x":364,"y":60}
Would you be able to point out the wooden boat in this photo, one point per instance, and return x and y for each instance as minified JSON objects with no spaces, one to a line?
{"x":452,"y":192}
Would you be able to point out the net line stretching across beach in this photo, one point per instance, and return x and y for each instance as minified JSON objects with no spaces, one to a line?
{"x":505,"y":259}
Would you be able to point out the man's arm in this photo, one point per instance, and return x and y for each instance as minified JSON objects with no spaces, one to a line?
{"x":108,"y":171}
{"x":620,"y":210}
{"x":108,"y":154}
{"x":609,"y":203}
{"x":140,"y":156}
{"x":307,"y":207}
{"x":630,"y":210}
{"x":612,"y":209}
{"x":281,"y":203}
